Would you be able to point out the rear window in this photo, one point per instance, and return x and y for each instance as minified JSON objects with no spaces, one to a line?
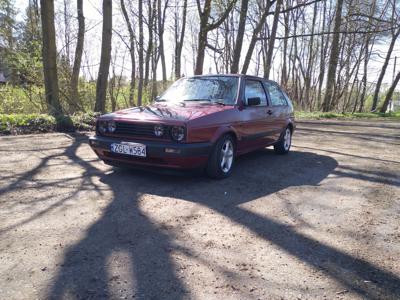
{"x":276,"y":95}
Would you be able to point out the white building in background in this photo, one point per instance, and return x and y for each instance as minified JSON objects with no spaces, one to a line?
{"x":394,"y":105}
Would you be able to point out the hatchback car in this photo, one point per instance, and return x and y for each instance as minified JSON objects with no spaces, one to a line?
{"x":199,"y":122}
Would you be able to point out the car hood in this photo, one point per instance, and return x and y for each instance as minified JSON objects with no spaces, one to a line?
{"x":169,"y":112}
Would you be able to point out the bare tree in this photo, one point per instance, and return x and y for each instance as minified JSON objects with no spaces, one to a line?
{"x":151,"y":7}
{"x":271,"y":40}
{"x":257,"y":29}
{"x":333,"y":60}
{"x":389,"y":94}
{"x":131,"y":52}
{"x":239,"y":37}
{"x":395,"y":35}
{"x":161,"y":15}
{"x":102,"y":78}
{"x":78,"y":53}
{"x":140,"y":50}
{"x":49,"y":53}
{"x":179,"y":38}
{"x":205,"y":28}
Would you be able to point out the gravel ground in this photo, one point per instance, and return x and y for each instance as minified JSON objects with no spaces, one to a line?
{"x":321,"y":222}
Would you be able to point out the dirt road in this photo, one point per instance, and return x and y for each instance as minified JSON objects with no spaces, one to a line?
{"x":321,"y":222}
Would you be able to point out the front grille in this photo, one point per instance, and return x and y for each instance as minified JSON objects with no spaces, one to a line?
{"x":146,"y":130}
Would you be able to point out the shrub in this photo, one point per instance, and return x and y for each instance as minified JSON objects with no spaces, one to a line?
{"x":39,"y":123}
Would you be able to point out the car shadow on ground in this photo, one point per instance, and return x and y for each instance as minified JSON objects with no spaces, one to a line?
{"x":124,"y":227}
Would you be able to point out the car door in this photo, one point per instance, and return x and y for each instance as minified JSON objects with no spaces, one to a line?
{"x":277,"y":110}
{"x":254,"y":126}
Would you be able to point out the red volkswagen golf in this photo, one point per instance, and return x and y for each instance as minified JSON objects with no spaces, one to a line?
{"x":199,"y":122}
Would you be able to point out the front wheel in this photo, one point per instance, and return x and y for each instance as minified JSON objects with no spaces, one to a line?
{"x":220,"y":162}
{"x":284,"y":143}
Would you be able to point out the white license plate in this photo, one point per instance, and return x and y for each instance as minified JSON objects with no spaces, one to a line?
{"x":133,"y":149}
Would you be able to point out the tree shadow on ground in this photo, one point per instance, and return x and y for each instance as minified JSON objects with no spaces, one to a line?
{"x":124,"y":227}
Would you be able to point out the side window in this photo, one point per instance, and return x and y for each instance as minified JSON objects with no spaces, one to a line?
{"x":288,"y":100}
{"x":277,"y":97}
{"x":254,"y":89}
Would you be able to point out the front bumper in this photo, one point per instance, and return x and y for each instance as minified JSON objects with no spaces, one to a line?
{"x":159,"y":154}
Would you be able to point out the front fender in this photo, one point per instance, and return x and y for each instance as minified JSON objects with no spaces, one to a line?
{"x":223,"y":130}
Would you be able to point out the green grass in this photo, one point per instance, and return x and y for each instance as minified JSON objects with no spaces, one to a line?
{"x":39,"y":123}
{"x":345,"y":116}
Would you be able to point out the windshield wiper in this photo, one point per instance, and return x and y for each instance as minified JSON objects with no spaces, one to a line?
{"x":198,"y":99}
{"x":219,"y":102}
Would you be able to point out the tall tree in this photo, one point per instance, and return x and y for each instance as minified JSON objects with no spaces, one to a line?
{"x":395,"y":35}
{"x":334,"y":57}
{"x":151,"y":4}
{"x":179,"y":37}
{"x":140,"y":54}
{"x":78,"y":53}
{"x":49,"y":53}
{"x":131,"y":52}
{"x":105,"y":58}
{"x":389,"y":94}
{"x":256,"y":31}
{"x":161,"y":14}
{"x":271,"y":40}
{"x":239,"y":37}
{"x":205,"y":28}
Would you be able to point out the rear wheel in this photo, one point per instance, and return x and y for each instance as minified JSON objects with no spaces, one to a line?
{"x":284,"y":143}
{"x":221,"y":160}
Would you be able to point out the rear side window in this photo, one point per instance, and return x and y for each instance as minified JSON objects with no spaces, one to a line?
{"x":277,"y":97}
{"x":288,"y":100}
{"x":255,"y":89}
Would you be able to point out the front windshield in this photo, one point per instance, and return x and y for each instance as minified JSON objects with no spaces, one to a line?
{"x":213,"y":89}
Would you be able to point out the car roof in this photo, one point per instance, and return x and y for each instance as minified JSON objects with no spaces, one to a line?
{"x":235,"y":75}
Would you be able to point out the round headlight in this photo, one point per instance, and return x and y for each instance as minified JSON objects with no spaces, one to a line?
{"x":112,"y":126}
{"x":102,"y":126}
{"x":178,"y":133}
{"x":158,"y":130}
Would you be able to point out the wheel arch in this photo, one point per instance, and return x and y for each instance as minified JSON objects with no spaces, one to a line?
{"x":220,"y":132}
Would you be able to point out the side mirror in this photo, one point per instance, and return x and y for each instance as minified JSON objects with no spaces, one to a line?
{"x":253,"y":101}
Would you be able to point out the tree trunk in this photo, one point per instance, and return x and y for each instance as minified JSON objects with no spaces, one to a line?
{"x":149,"y":51}
{"x":390,"y":94}
{"x":102,"y":78}
{"x":310,"y":64}
{"x":383,"y":70}
{"x":202,"y":38}
{"x":333,"y":60}
{"x":271,"y":41}
{"x":284,"y":75}
{"x":78,"y":53}
{"x":200,"y":52}
{"x":324,"y":48}
{"x":179,"y":41}
{"x":253,"y":40}
{"x":239,"y":37}
{"x":205,"y":27}
{"x":161,"y":24}
{"x":131,"y":52}
{"x":49,"y":53}
{"x":140,"y":83}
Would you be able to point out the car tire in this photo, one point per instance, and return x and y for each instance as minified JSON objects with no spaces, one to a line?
{"x":222,"y":158}
{"x":284,"y":143}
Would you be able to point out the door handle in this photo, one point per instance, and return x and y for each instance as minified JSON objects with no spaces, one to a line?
{"x":269,"y":112}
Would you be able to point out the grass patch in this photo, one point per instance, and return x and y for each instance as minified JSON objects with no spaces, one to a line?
{"x":345,"y":116}
{"x":40,"y":123}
